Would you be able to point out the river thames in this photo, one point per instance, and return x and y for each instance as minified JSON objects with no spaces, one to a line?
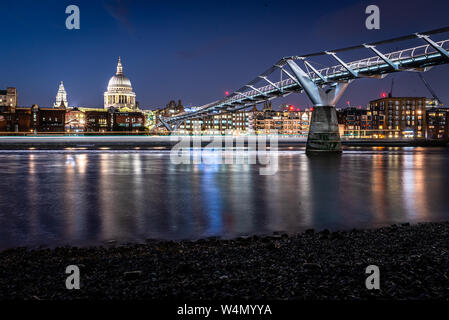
{"x":57,"y":198}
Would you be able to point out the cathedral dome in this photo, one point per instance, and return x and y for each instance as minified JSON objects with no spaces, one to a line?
{"x":120,"y":93}
{"x":119,"y":82}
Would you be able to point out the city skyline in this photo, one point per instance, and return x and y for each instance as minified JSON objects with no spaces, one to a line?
{"x":224,"y":158}
{"x":162,"y":69}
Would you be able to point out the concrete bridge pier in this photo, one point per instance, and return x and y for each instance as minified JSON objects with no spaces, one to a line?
{"x":324,"y":136}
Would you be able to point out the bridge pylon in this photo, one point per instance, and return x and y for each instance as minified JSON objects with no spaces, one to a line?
{"x":325,"y":86}
{"x":324,"y":136}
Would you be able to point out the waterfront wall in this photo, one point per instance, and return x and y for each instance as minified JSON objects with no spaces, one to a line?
{"x":126,"y":142}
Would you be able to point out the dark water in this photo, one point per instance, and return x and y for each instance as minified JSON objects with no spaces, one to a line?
{"x":59,"y":198}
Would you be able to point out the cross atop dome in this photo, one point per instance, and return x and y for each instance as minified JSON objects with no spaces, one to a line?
{"x":119,"y":67}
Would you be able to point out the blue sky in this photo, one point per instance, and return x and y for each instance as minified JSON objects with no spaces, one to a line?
{"x":195,"y":50}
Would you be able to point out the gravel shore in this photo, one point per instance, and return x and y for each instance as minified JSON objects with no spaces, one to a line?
{"x":413,"y":262}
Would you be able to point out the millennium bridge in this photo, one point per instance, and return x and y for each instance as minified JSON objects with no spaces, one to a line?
{"x":324,"y":86}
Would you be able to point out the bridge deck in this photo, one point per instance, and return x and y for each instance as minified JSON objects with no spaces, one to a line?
{"x":416,"y":58}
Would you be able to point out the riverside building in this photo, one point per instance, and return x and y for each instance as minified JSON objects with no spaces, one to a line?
{"x":437,"y":123}
{"x":401,"y":117}
{"x":8,"y":97}
{"x":289,"y":120}
{"x":220,"y":124}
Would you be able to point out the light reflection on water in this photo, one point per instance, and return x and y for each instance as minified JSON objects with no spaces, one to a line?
{"x":58,"y":198}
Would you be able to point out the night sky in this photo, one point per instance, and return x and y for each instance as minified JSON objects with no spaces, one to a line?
{"x":195,"y":50}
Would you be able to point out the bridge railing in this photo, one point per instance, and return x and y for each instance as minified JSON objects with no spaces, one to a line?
{"x":374,"y":61}
{"x":244,"y":97}
{"x":395,"y":56}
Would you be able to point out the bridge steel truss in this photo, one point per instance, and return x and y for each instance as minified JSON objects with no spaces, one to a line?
{"x":326,"y":85}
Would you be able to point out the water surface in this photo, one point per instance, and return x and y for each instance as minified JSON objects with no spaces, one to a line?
{"x":88,"y":197}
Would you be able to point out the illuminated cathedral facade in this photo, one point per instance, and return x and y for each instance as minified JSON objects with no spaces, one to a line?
{"x":120,"y":92}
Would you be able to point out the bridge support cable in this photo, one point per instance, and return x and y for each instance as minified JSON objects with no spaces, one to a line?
{"x":315,"y":71}
{"x":350,"y":70}
{"x":270,"y":82}
{"x":434,"y":45}
{"x":255,"y":89}
{"x":382,"y":56}
{"x":281,"y":67}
